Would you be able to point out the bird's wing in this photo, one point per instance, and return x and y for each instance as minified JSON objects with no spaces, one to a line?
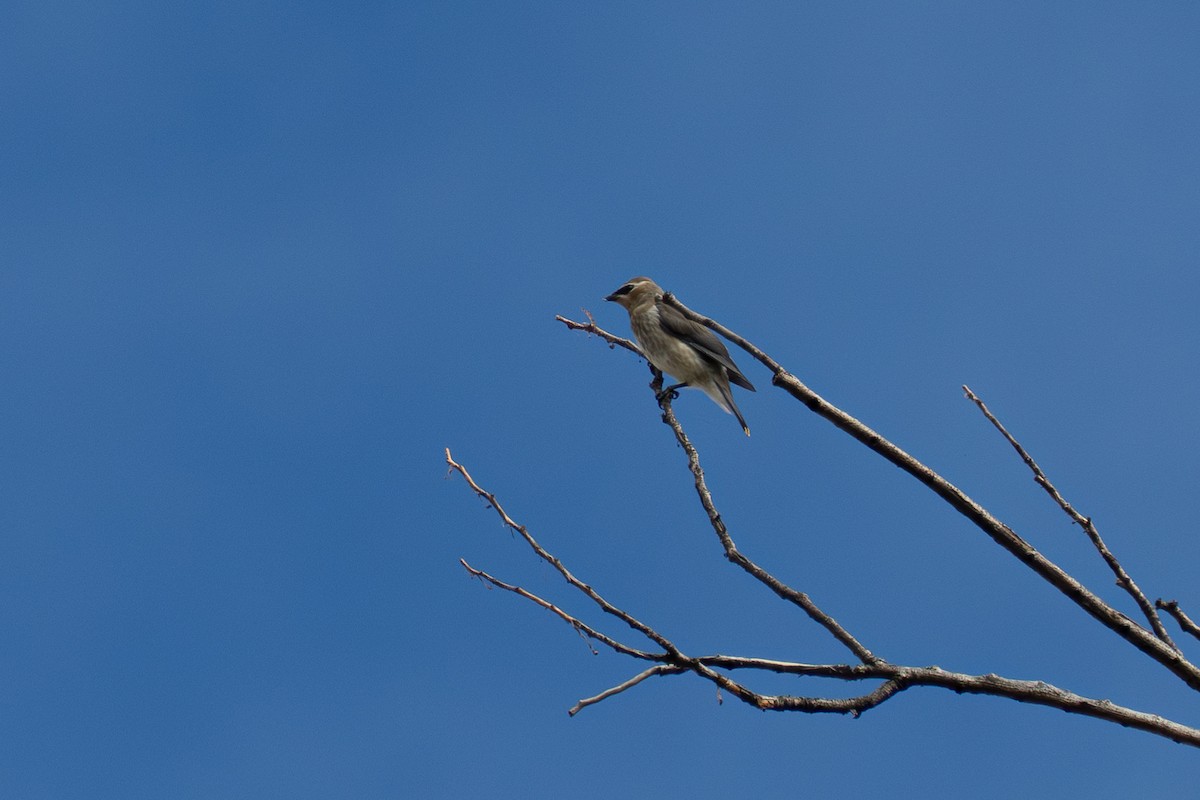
{"x":701,"y":339}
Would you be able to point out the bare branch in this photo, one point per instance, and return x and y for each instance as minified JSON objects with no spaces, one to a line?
{"x":895,"y":678}
{"x":673,"y":654}
{"x":1123,"y":578}
{"x":737,"y":557}
{"x":577,"y":624}
{"x":1185,"y":622}
{"x":1035,"y":692}
{"x":661,"y":669}
{"x":853,"y":706}
{"x":1000,"y":533}
{"x":591,"y":327}
{"x":554,"y":562}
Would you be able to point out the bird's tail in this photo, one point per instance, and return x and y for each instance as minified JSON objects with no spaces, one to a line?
{"x":726,"y":402}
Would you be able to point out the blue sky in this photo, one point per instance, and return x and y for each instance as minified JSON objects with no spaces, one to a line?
{"x":261,"y":262}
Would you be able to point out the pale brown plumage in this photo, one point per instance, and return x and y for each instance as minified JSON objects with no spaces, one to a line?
{"x":674,"y":344}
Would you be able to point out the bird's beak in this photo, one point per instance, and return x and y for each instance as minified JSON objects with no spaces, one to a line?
{"x":612,"y":297}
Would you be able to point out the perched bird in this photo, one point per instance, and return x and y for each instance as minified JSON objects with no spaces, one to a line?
{"x":676,"y":345}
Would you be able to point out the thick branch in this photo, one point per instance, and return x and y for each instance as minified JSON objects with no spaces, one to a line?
{"x":1039,"y":477}
{"x":1036,"y":692}
{"x":1000,"y":533}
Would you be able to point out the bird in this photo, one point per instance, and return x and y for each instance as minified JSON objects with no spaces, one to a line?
{"x":680,"y":347}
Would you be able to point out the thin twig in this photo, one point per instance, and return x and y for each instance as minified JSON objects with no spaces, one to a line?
{"x":1123,"y":578}
{"x":740,"y":559}
{"x":673,"y":654}
{"x":546,"y":556}
{"x":591,"y":327}
{"x":661,"y":669}
{"x":1185,"y":622}
{"x":577,"y":624}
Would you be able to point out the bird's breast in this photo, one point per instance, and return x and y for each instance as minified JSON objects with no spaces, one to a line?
{"x":668,"y":353}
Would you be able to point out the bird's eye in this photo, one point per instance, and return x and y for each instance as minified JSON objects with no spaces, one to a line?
{"x":626,"y":289}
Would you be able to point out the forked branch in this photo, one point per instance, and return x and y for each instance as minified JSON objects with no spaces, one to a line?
{"x":894,"y":678}
{"x":669,"y":659}
{"x":1123,"y":578}
{"x":1141,"y":638}
{"x":1185,"y":622}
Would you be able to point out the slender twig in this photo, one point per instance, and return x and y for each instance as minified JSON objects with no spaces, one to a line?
{"x":673,"y":654}
{"x":740,"y":559}
{"x":546,"y":556}
{"x":591,"y":327}
{"x":1000,"y":533}
{"x":1185,"y":622}
{"x":574,"y":622}
{"x":1123,"y":578}
{"x":661,"y":669}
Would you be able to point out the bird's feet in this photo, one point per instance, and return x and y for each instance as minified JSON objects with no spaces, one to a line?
{"x":670,"y":393}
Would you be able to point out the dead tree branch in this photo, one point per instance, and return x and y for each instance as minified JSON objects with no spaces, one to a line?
{"x":581,"y":627}
{"x":551,"y":560}
{"x":669,"y":659}
{"x":1185,"y":622}
{"x":737,"y":557}
{"x":673,"y":654}
{"x":1141,"y":638}
{"x":591,"y":327}
{"x":894,"y":678}
{"x":1123,"y":578}
{"x":661,"y":669}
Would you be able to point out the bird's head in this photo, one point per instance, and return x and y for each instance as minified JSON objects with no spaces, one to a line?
{"x":636,"y":292}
